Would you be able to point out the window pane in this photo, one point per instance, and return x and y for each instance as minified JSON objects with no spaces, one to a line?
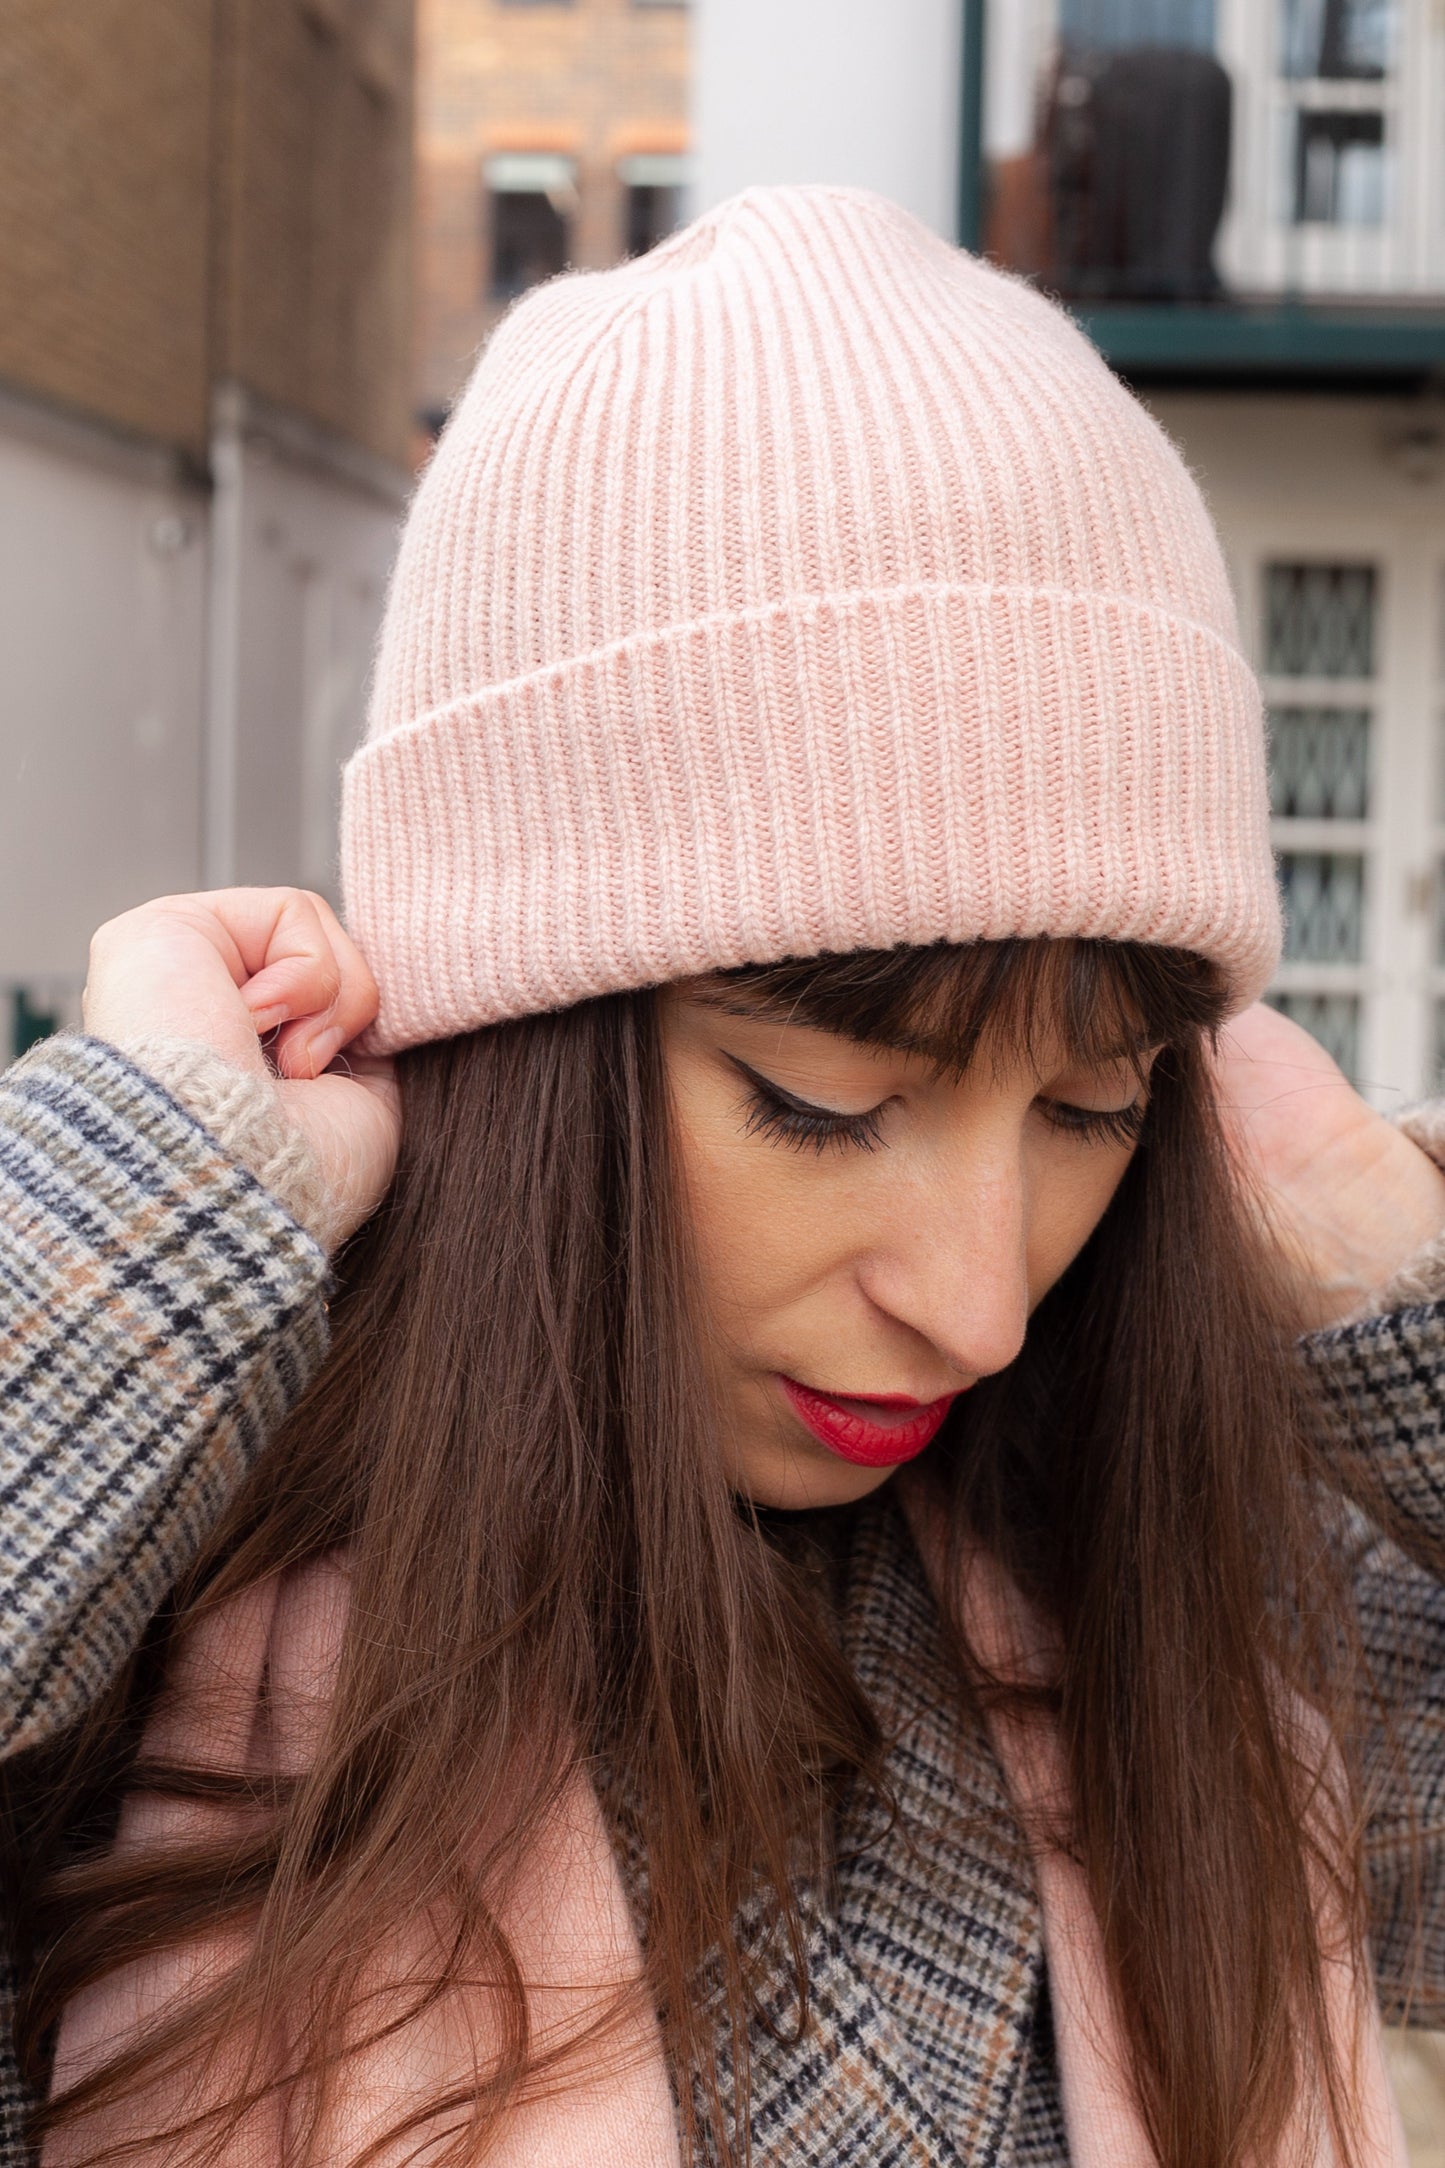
{"x":652,"y":214}
{"x":529,"y":242}
{"x":1338,"y":38}
{"x":1319,"y":764}
{"x":1340,"y":172}
{"x":1324,"y":906}
{"x":1106,"y":25}
{"x":1333,"y":1019}
{"x":1319,"y":620}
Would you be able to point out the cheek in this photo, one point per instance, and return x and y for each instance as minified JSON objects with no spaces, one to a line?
{"x":756,"y":1236}
{"x":1070,"y":1199}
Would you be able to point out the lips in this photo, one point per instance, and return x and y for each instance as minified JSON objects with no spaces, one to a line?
{"x":844,"y":1427}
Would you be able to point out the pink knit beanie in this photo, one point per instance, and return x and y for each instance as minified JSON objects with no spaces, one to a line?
{"x":805,"y":584}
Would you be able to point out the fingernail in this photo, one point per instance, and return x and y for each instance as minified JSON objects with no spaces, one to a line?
{"x":267,"y":1019}
{"x":325,"y":1047}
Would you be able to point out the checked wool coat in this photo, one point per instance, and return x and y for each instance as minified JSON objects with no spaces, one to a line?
{"x":158,"y":1313}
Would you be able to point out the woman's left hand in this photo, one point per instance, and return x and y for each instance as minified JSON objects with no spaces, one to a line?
{"x":1347,"y":1198}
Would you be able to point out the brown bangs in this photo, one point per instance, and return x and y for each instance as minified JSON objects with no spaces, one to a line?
{"x":1100,"y":999}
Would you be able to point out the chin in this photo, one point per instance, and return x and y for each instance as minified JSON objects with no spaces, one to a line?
{"x":801,"y":1483}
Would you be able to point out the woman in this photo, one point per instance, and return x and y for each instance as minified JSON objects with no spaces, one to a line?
{"x":805,"y":1615}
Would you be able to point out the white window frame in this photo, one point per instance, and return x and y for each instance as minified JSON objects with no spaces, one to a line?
{"x":1261,"y":249}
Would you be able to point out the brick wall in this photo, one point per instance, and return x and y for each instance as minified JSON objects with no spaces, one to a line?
{"x":192,"y":191}
{"x":104,"y":186}
{"x":314,"y":222}
{"x":596,"y":79}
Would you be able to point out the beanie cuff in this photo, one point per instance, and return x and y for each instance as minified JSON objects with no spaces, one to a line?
{"x":608,"y":823}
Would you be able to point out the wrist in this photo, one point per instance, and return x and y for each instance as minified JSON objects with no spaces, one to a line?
{"x":1394,"y":1254}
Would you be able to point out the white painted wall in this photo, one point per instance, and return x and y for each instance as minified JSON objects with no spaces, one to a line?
{"x":302,"y":556}
{"x":182,"y":672}
{"x":102,"y":602}
{"x":864,"y":92}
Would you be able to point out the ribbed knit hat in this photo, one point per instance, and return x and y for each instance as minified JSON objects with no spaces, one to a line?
{"x":805,"y":584}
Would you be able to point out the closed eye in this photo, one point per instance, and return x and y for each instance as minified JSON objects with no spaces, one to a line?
{"x":1097,"y":1125}
{"x":773,"y":1111}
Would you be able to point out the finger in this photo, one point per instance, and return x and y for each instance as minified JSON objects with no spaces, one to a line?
{"x":305,"y":1048}
{"x":313,"y":981}
{"x":297,"y":973}
{"x":358,"y":997}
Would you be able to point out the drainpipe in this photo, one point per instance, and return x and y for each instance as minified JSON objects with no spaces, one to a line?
{"x":970,"y":127}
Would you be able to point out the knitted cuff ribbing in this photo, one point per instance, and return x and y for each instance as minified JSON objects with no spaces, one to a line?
{"x":244,"y":1114}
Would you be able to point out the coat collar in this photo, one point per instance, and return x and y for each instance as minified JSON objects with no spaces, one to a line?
{"x":925,"y":1959}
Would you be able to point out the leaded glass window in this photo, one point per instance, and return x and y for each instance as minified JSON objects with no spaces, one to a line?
{"x":1324,"y":905}
{"x":1318,"y":629}
{"x":1319,"y":763}
{"x":1333,"y":1019}
{"x":1319,"y":620}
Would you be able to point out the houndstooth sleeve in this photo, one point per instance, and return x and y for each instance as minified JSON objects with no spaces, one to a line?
{"x":159,"y":1313}
{"x":1384,"y":1375}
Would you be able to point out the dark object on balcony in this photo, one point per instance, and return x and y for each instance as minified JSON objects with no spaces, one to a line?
{"x":1138,"y":163}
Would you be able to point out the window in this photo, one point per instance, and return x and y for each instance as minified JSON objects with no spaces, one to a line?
{"x":651,"y":216}
{"x":1319,"y":642}
{"x":1340,"y":174}
{"x":1112,"y":25}
{"x":1336,"y":56}
{"x":653,"y":183}
{"x":533,"y":198}
{"x":1338,"y":40}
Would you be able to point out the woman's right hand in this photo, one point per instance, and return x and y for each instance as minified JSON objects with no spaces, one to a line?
{"x":229,"y":968}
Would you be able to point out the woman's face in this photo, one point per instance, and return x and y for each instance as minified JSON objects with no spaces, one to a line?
{"x":873,"y":1236}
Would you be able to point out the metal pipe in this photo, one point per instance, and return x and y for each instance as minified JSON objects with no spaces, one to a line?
{"x":970,"y":127}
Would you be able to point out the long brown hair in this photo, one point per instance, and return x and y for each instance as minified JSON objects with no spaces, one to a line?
{"x":512,"y":1436}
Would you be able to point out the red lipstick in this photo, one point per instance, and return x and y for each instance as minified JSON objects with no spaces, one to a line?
{"x":840,"y":1424}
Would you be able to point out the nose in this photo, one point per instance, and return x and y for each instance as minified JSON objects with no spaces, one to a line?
{"x":952,"y":1263}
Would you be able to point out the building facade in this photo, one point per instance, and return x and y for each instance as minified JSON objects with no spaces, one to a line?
{"x":550,"y":133}
{"x":1244,"y":202}
{"x":205,"y":319}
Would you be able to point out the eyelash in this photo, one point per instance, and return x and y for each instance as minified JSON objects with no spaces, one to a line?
{"x":773,"y":1118}
{"x":1098,"y":1125}
{"x":770,"y":1117}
